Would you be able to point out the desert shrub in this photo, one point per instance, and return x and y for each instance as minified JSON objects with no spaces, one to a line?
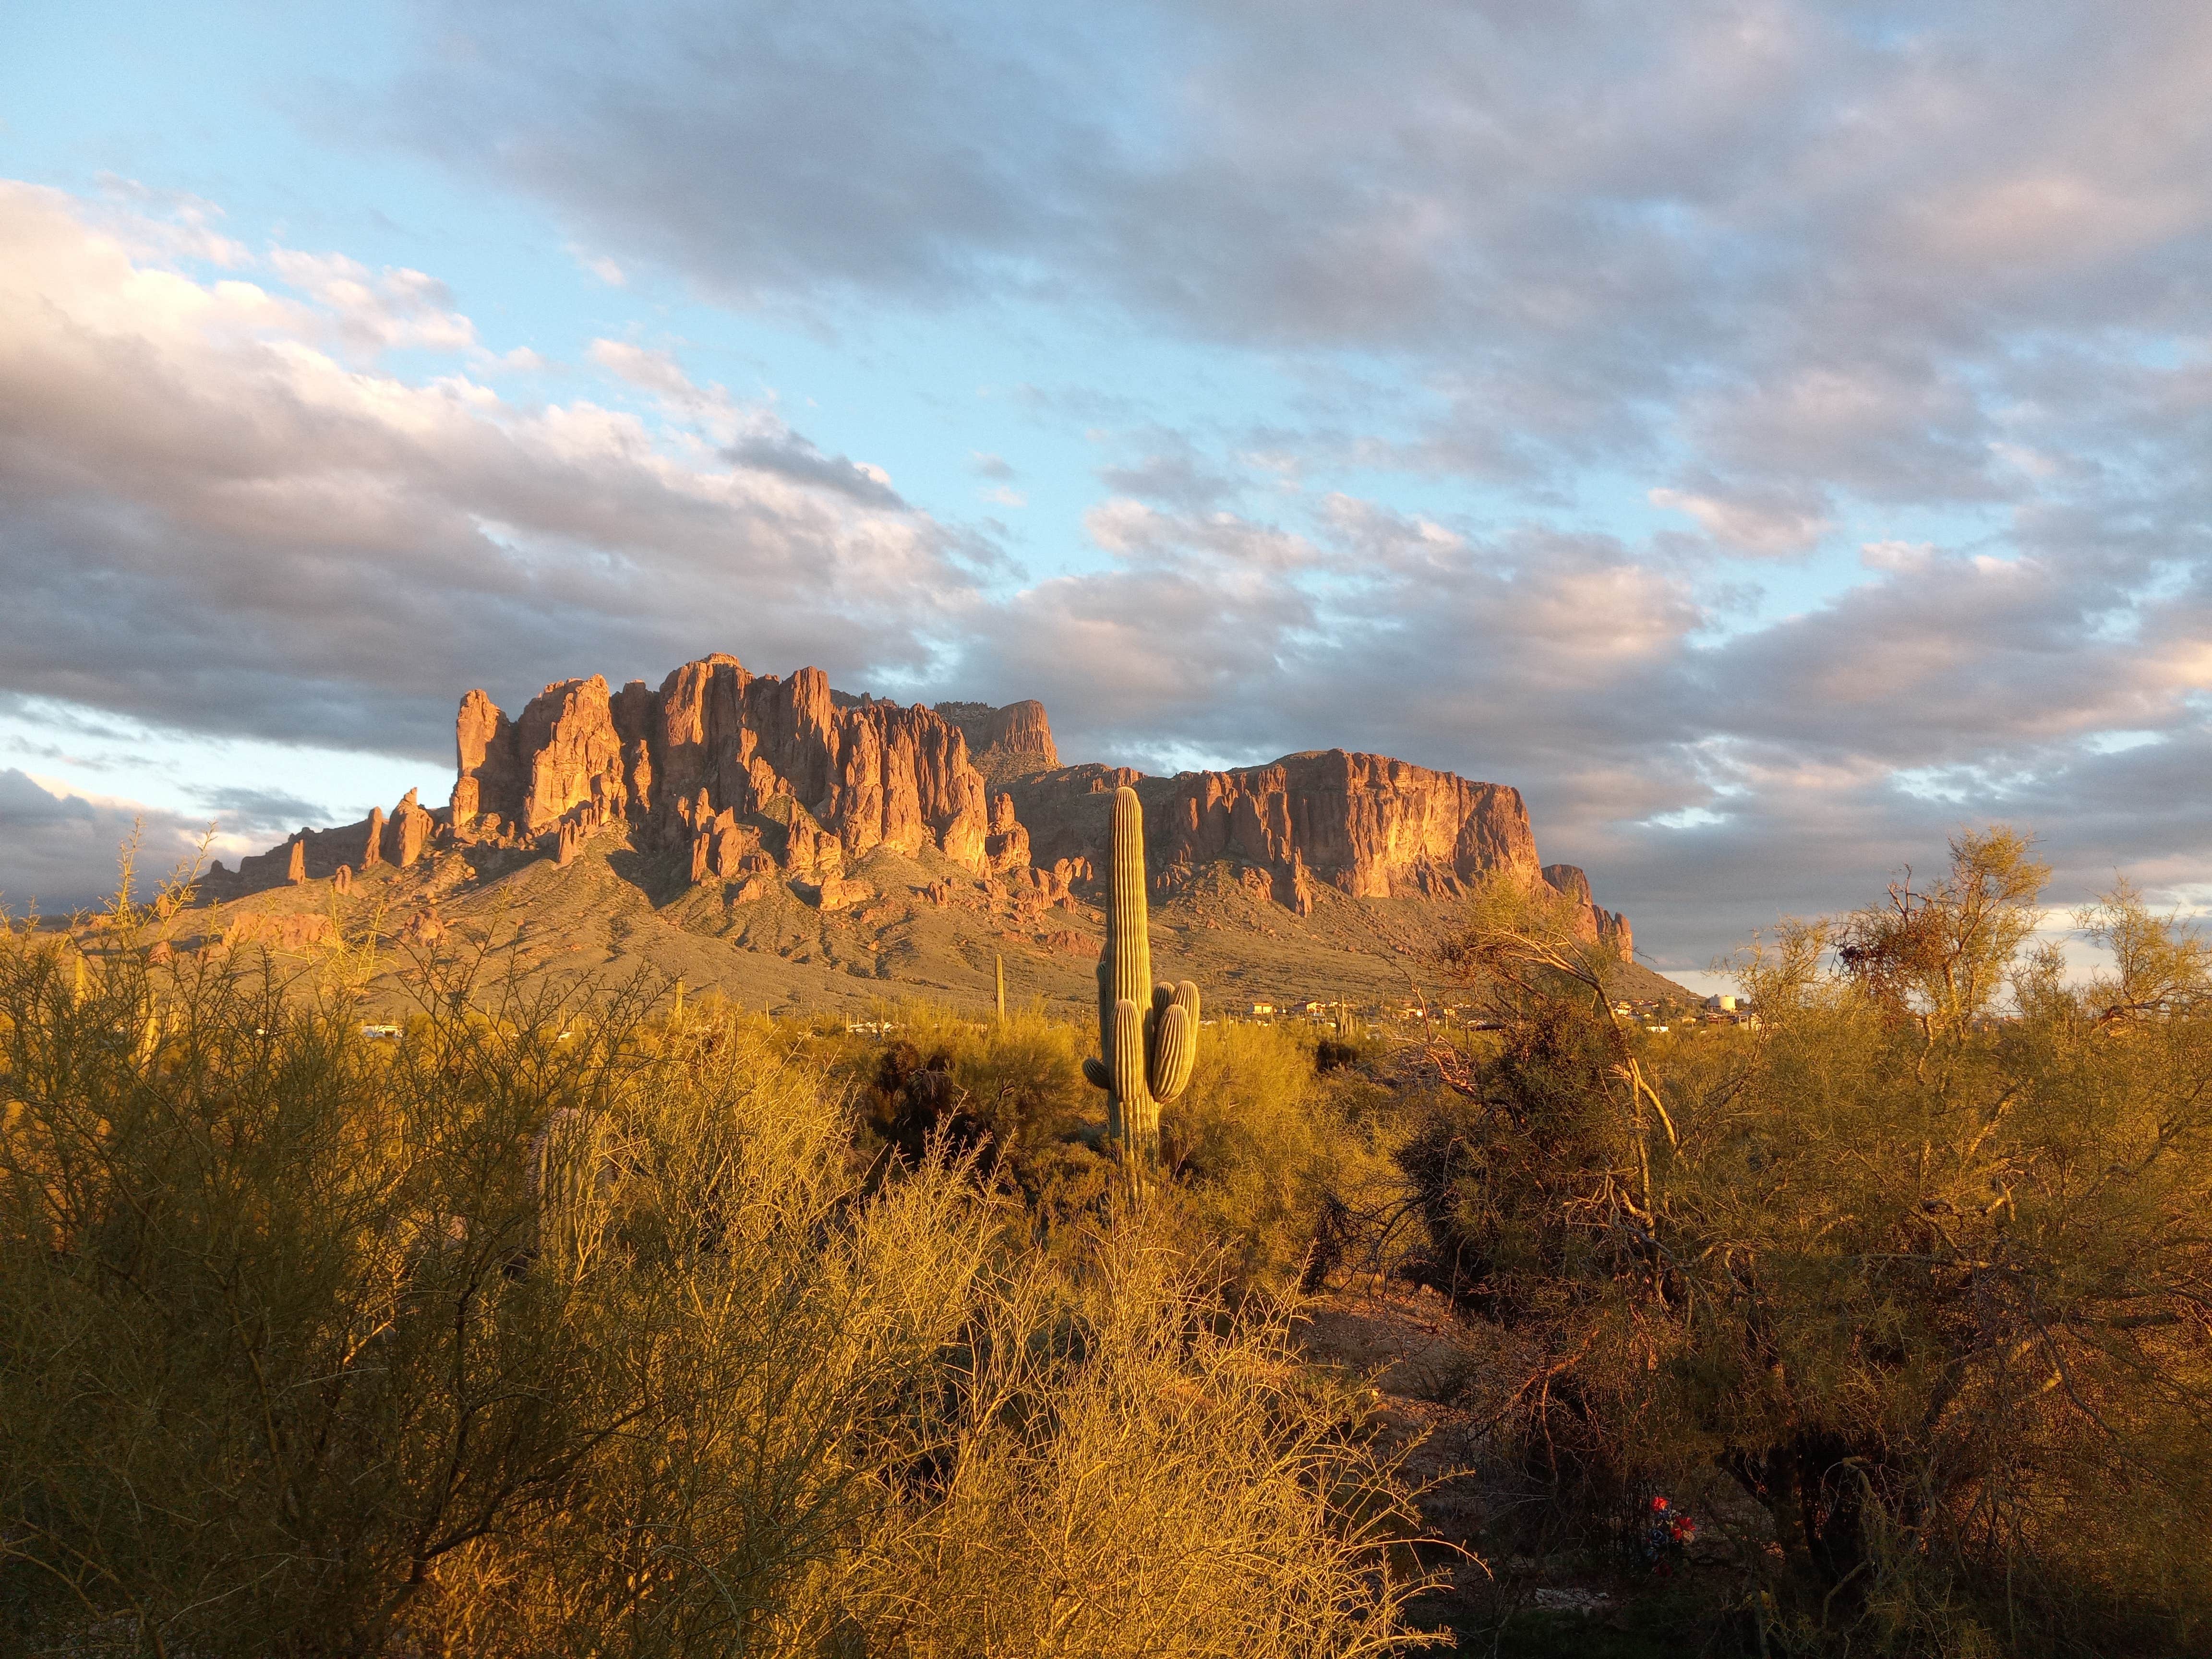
{"x":1129,"y":1471}
{"x":1929,"y":1285}
{"x":1011,"y":1092}
{"x":558,"y":1329}
{"x":1268,"y":1160}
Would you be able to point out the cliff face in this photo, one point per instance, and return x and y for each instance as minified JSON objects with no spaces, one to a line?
{"x":714,"y":745}
{"x":319,"y":854}
{"x":1373,"y":826}
{"x":1595,"y":923}
{"x":1009,"y":743}
{"x":747,"y":774}
{"x":1366,"y":824}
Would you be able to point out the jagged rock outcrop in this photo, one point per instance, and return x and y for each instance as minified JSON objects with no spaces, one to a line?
{"x":407,"y":837}
{"x":754,"y":778}
{"x":1365,"y":824}
{"x":489,"y":778}
{"x":1008,"y":743}
{"x":1007,"y":847}
{"x":320,"y":854}
{"x":688,"y":765}
{"x":1595,"y":923}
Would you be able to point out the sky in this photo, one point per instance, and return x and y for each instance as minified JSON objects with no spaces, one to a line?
{"x":1771,"y":435}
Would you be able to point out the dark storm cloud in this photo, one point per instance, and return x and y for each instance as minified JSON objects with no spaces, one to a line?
{"x":64,"y":851}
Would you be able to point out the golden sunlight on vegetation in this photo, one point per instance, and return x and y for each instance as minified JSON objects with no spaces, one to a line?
{"x":550,"y":1330}
{"x":585,"y":1324}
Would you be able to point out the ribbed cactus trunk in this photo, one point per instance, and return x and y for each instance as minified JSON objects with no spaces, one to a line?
{"x":568,"y":1173}
{"x":1147,"y":1033}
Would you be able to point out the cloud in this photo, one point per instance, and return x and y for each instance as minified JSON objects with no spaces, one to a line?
{"x":605,"y":269}
{"x":1748,"y":526}
{"x":1172,"y":470}
{"x":1822,"y":252}
{"x":225,"y":514}
{"x":61,"y":850}
{"x":255,"y":813}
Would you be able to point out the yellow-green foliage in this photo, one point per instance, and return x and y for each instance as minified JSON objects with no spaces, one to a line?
{"x":1934,"y":1287}
{"x":1108,"y":1484}
{"x":492,"y":1342}
{"x":1267,"y":1156}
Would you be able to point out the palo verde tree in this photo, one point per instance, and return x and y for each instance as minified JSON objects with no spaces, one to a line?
{"x":1923,"y":1265}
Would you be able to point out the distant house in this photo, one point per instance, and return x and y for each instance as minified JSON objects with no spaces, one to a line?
{"x":1260,"y":1008}
{"x":1723,"y":1005}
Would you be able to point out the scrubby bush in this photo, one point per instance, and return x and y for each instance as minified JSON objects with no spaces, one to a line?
{"x":1012,"y":1088}
{"x":1932,"y":1287}
{"x":557,"y":1328}
{"x":1268,"y":1159}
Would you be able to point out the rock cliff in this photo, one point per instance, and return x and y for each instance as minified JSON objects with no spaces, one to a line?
{"x":321,"y":855}
{"x":688,"y":765}
{"x":1365,"y":824}
{"x":1009,"y":743}
{"x":745,"y":774}
{"x":1595,"y":923}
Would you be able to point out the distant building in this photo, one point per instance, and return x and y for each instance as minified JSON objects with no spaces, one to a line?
{"x":1260,"y":1008}
{"x":1723,"y":1005}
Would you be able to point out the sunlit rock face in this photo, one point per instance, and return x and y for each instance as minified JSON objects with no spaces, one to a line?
{"x":745,"y":775}
{"x":1594,"y":922}
{"x":715,"y":744}
{"x":1366,"y":825}
{"x":1008,"y":743}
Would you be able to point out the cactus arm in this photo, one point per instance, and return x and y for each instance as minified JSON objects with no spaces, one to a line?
{"x":1175,"y":1051}
{"x":1131,"y":1112}
{"x":1095,"y":1074}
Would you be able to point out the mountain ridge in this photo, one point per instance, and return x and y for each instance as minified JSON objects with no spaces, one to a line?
{"x":724,"y":799}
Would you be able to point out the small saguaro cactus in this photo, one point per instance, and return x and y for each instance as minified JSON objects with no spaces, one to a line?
{"x":1147,"y":1033}
{"x":569,"y":1173}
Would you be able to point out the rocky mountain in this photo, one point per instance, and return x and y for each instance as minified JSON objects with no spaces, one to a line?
{"x":1365,"y":825}
{"x":1005,"y":743}
{"x":722,"y":798}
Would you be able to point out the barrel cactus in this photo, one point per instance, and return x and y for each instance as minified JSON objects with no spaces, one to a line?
{"x":1147,"y":1033}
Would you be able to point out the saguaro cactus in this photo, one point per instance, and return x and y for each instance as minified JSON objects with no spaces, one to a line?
{"x":1147,"y":1033}
{"x":569,"y":1174}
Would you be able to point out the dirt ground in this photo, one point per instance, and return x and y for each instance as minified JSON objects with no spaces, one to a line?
{"x":1430,"y":1371}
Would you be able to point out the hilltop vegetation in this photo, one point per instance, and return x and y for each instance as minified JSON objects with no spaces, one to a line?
{"x":574,"y":1322}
